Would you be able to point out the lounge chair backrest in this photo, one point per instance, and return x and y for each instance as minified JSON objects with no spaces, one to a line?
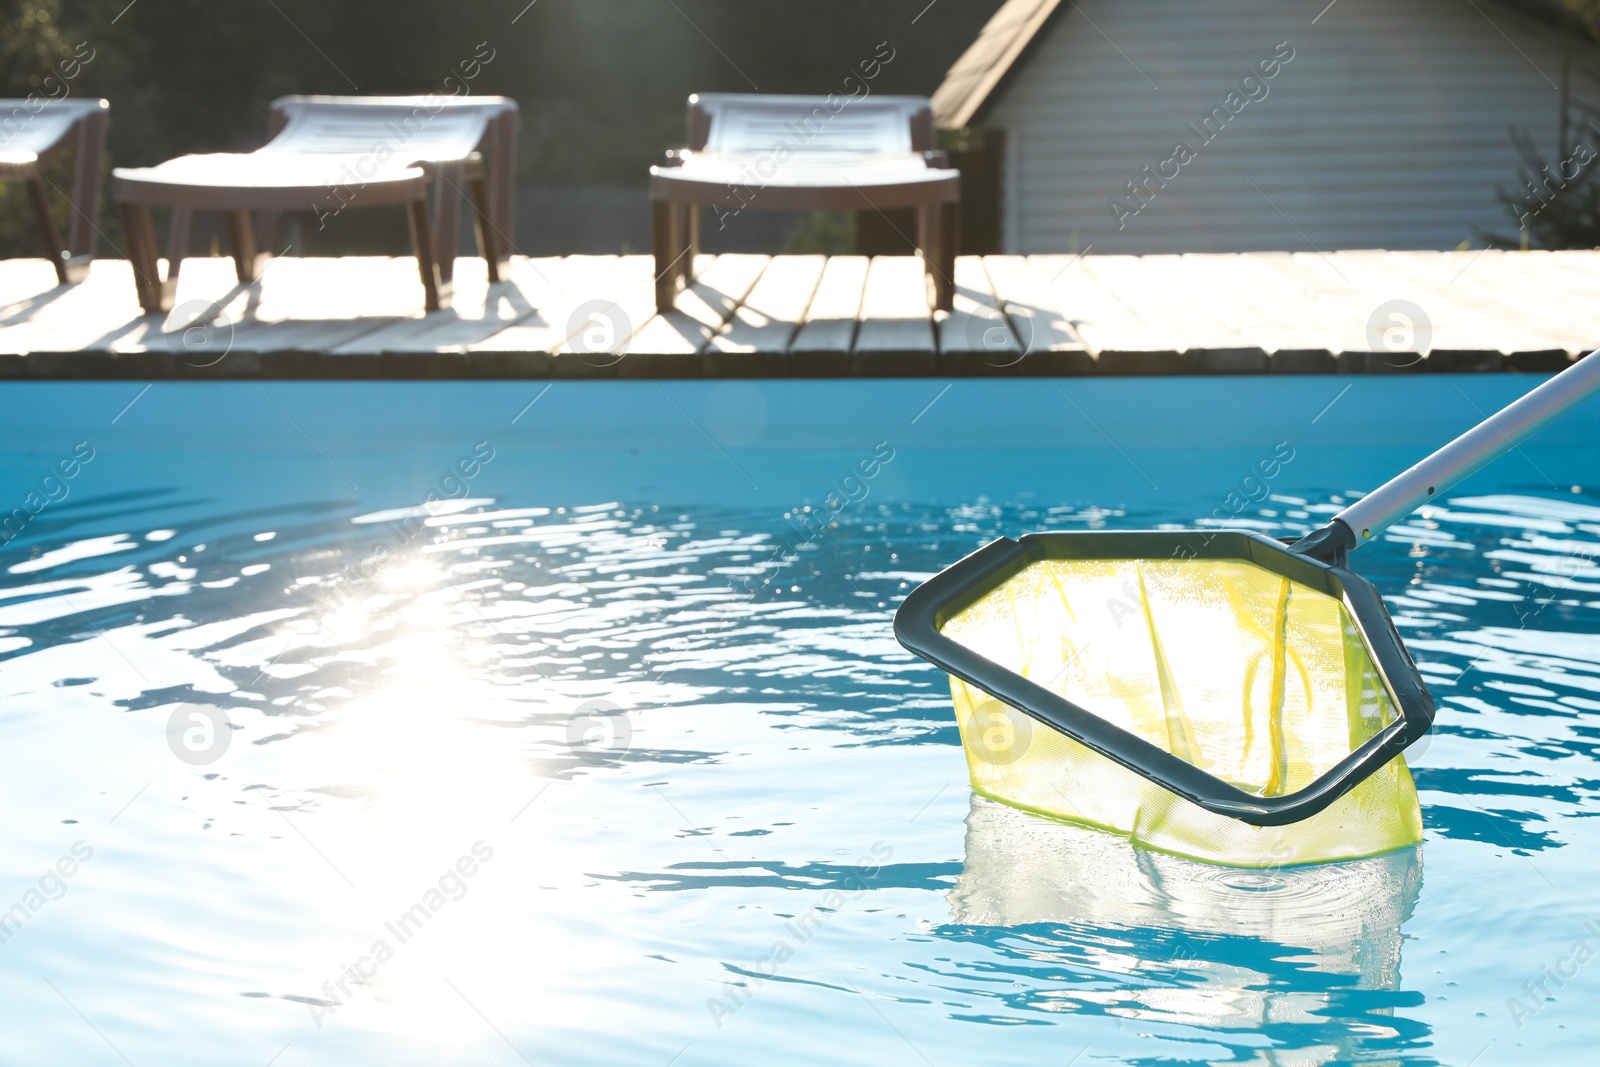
{"x":414,"y":129}
{"x":745,"y":123}
{"x":36,"y":126}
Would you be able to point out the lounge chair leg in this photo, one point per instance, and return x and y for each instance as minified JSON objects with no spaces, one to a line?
{"x":447,"y":179}
{"x":937,"y":231}
{"x":49,"y":236}
{"x":247,"y":263}
{"x":502,"y":180}
{"x":139,"y":233}
{"x":435,"y":294}
{"x":665,"y":244}
{"x":690,"y":239}
{"x":489,"y":244}
{"x":84,"y":233}
{"x":928,"y":248}
{"x":178,"y":239}
{"x":949,"y":246}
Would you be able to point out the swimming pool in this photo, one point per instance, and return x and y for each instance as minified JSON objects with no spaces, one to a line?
{"x":542,"y":722}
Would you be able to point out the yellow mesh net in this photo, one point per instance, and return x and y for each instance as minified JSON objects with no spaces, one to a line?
{"x":1248,"y":675}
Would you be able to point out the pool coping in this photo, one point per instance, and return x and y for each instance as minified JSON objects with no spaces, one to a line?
{"x":292,"y":364}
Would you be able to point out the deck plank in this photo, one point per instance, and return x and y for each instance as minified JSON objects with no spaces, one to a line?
{"x":200,"y":327}
{"x":975,"y":337}
{"x":896,"y":333}
{"x":477,"y":310}
{"x":823,"y":344}
{"x":1467,"y":297}
{"x":1319,"y":325}
{"x":1458,"y":325}
{"x":1564,"y":311}
{"x":668,"y":344}
{"x":1570,"y":280}
{"x":1166,"y":296}
{"x":755,"y":341}
{"x":1507,"y":285}
{"x":806,"y":316}
{"x":1122,"y":342}
{"x":316,"y":304}
{"x":631,"y":313}
{"x":1570,"y":262}
{"x":578,"y":283}
{"x":90,"y":315}
{"x":1454,"y":336}
{"x":1221,"y":284}
{"x":25,"y":286}
{"x":1331,"y":289}
{"x":1039,"y":326}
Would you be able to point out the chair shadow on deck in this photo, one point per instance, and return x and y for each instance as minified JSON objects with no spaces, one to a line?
{"x":20,"y":311}
{"x":204,"y":328}
{"x":702,"y":311}
{"x":721,"y":306}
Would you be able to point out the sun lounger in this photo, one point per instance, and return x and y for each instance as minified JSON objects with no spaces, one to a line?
{"x":804,"y":153}
{"x":31,"y":133}
{"x":328,"y":153}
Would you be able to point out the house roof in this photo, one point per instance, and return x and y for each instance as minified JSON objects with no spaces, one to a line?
{"x":983,"y":68}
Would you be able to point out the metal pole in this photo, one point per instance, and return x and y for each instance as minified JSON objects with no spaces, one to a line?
{"x":1491,"y":438}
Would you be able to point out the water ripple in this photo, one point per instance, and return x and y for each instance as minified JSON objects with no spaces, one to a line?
{"x":394,"y":675}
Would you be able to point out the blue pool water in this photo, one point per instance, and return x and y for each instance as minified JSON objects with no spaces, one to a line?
{"x":607,"y":754}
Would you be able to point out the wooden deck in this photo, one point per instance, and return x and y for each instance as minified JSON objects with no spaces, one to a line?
{"x":806,"y":316}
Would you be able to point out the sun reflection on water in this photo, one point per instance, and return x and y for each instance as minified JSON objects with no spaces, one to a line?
{"x":664,"y":768}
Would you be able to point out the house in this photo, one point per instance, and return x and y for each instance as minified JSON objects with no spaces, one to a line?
{"x":1146,"y":126}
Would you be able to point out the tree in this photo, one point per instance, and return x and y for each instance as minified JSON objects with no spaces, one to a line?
{"x":31,"y":46}
{"x":601,"y":83}
{"x":1555,"y":205}
{"x":1587,"y":13}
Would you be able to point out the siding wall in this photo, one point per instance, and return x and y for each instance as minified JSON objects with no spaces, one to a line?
{"x":1388,"y":128}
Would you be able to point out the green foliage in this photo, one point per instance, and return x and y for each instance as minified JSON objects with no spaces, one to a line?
{"x":18,"y":234}
{"x":1587,"y":13}
{"x":1578,"y":17}
{"x":31,"y":47}
{"x":31,"y":43}
{"x":601,"y":83}
{"x":829,"y":233}
{"x":1550,"y":209}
